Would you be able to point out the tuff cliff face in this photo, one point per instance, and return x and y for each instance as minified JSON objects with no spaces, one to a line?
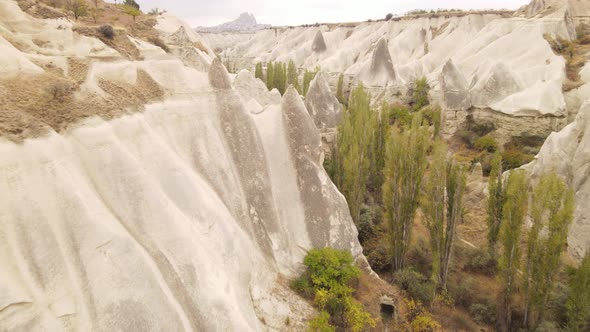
{"x":183,"y":210}
{"x":482,"y":48}
{"x":568,"y":154}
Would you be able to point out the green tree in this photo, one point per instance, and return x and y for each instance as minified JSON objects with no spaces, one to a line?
{"x":321,"y":323}
{"x":420,"y":95}
{"x":578,"y":302}
{"x":132,"y":11}
{"x":443,"y":209}
{"x":131,"y":3}
{"x":258,"y":72}
{"x":514,"y":213}
{"x":456,"y":181}
{"x":434,"y":207}
{"x":78,"y":8}
{"x":340,"y":90}
{"x":552,"y":212}
{"x":404,"y":169}
{"x":280,"y":77}
{"x":270,"y":76}
{"x":354,"y":149}
{"x":377,"y":160}
{"x":292,"y":76}
{"x":327,"y":279}
{"x":495,"y":201}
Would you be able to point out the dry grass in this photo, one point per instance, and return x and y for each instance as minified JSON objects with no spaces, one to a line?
{"x":369,"y":291}
{"x":575,"y":53}
{"x":31,"y":105}
{"x":34,"y":104}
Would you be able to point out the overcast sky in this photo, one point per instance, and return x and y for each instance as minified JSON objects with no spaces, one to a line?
{"x":295,"y":12}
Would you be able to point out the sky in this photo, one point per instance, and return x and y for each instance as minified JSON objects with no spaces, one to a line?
{"x":296,"y":12}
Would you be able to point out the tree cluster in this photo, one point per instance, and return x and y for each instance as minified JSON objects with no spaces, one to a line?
{"x":327,"y":281}
{"x":279,"y":75}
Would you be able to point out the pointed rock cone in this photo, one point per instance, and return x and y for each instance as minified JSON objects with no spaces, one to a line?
{"x":218,"y":76}
{"x":322,"y":104}
{"x":302,"y":130}
{"x":381,"y":63}
{"x":319,"y":44}
{"x":498,"y":85}
{"x":454,"y":88}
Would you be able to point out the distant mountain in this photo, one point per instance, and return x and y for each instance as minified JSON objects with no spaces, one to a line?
{"x":245,"y":23}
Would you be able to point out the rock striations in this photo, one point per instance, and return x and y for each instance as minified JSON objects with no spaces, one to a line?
{"x":184,"y":211}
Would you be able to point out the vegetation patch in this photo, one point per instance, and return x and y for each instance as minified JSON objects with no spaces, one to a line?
{"x":328,"y":281}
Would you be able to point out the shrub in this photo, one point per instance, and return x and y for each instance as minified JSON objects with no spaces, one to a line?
{"x":388,"y":16}
{"x":416,"y":284}
{"x":400,"y":116}
{"x":107,"y":31}
{"x":461,"y":290}
{"x":483,"y":313}
{"x":420,"y":319}
{"x":131,"y":3}
{"x":480,"y":261}
{"x":420,"y":256}
{"x":419,"y":94}
{"x":321,"y":323}
{"x":548,"y":326}
{"x":59,"y":90}
{"x":468,"y":137}
{"x":486,"y":143}
{"x":78,"y":8}
{"x":328,"y":277}
{"x":380,"y":258}
{"x":132,"y":11}
{"x":365,"y":224}
{"x":514,"y":158}
{"x":483,"y":128}
{"x":160,"y":43}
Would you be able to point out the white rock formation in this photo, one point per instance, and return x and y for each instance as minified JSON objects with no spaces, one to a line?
{"x":322,"y":105}
{"x":246,"y":22}
{"x":186,"y":216}
{"x":568,"y":153}
{"x":484,"y":48}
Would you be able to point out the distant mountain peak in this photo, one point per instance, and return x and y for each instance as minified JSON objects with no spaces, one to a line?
{"x":246,"y":22}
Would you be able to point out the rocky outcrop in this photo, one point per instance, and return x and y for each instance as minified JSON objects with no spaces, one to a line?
{"x":507,"y":63}
{"x":495,"y":85}
{"x":568,"y":153}
{"x":186,"y":212}
{"x":454,"y":88}
{"x":319,"y":44}
{"x":246,"y":22}
{"x":379,"y":72}
{"x":322,"y":105}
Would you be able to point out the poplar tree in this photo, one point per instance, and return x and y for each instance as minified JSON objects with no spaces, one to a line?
{"x":292,"y":76}
{"x":552,"y":212}
{"x":281,"y":77}
{"x":578,"y":302}
{"x":456,"y":182}
{"x":404,"y":170}
{"x":354,"y":143}
{"x":443,"y":209}
{"x":258,"y":72}
{"x":270,"y":75}
{"x":514,"y":212}
{"x":434,"y":207}
{"x":495,"y":201}
{"x":340,"y":90}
